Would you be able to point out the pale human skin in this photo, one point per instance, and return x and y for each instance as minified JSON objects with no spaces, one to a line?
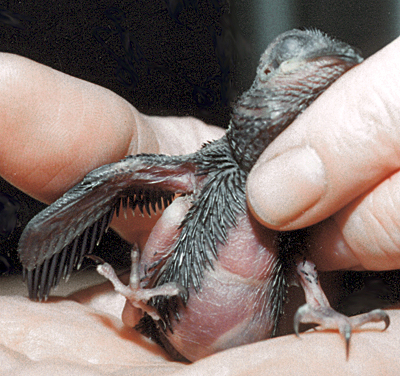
{"x":57,"y":128}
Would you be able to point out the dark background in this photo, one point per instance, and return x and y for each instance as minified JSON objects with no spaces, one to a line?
{"x":176,"y":57}
{"x":180,"y":57}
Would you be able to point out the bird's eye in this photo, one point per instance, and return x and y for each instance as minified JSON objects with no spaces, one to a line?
{"x":267,"y":71}
{"x":275,"y":64}
{"x":290,"y":47}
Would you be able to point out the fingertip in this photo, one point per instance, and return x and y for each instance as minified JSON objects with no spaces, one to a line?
{"x":283,"y":188}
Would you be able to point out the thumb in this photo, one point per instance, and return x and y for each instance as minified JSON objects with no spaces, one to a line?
{"x":346,"y":143}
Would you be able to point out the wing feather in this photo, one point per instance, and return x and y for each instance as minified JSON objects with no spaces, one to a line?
{"x":73,"y":224}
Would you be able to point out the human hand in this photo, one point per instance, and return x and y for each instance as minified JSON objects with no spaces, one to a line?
{"x":54,"y":185}
{"x":57,"y":128}
{"x":84,"y":335}
{"x":339,"y":163}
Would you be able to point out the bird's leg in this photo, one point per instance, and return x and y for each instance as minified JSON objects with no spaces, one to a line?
{"x":134,"y":293}
{"x":317,"y":310}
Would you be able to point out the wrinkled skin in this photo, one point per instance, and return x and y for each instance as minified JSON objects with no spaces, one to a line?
{"x":217,"y":277}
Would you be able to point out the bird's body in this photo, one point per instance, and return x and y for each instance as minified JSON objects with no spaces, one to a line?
{"x":218,"y":277}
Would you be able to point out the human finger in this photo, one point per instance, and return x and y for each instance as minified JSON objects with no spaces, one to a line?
{"x":364,"y":235}
{"x":343,"y":145}
{"x":56,"y":128}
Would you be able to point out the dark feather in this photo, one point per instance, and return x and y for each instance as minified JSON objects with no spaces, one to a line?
{"x":82,"y":215}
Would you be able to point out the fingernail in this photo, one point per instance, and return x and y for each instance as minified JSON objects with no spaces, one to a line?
{"x":283,"y":188}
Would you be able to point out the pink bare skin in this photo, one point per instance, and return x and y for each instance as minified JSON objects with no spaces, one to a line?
{"x":40,"y":158}
{"x":233,"y":293}
{"x":230,"y":309}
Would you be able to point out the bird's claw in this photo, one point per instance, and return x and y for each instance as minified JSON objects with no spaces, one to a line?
{"x":328,"y":318}
{"x":134,"y":293}
{"x":318,"y":310}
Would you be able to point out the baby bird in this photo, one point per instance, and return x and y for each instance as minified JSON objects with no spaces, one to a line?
{"x":210,"y":276}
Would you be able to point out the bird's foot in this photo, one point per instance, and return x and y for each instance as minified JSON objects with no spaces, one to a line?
{"x":134,"y":293}
{"x":328,"y":318}
{"x":317,"y":310}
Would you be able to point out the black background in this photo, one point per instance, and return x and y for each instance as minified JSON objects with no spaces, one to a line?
{"x":181,"y":57}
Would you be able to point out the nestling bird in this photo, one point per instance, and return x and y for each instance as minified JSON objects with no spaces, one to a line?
{"x":210,"y":276}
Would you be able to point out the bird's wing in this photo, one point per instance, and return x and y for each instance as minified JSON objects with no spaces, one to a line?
{"x":55,"y":241}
